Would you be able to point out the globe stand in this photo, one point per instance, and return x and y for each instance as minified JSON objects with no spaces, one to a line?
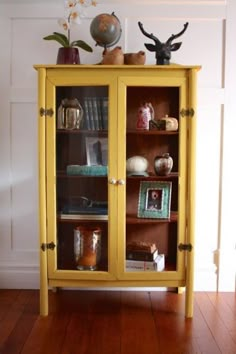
{"x":105,"y":29}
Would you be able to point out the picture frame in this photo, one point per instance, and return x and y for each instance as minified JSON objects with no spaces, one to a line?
{"x":154,"y":199}
{"x":96,"y":151}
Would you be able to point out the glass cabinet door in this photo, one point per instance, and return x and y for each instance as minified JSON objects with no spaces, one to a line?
{"x":77,"y":186}
{"x":156,"y":178}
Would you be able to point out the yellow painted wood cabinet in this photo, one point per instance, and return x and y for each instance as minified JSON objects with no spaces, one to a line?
{"x":100,"y":216}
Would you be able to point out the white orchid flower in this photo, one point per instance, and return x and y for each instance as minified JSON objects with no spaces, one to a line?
{"x":70,"y":4}
{"x":87,"y":3}
{"x":64,"y":23}
{"x":75,"y":17}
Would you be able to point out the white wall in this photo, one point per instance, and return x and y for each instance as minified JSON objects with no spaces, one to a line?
{"x":209,"y":41}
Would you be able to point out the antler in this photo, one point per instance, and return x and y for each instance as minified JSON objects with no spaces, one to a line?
{"x":174,"y":36}
{"x":149,"y":35}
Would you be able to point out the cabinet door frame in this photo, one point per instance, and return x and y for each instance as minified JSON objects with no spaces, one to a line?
{"x":73,"y":78}
{"x":160,"y":78}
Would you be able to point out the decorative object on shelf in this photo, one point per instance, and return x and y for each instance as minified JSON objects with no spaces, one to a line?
{"x":113,"y":57}
{"x":135,"y":58}
{"x":74,"y":11}
{"x":145,"y":114}
{"x":96,"y":151}
{"x":154,"y":199}
{"x":68,"y":56}
{"x":84,"y":170}
{"x":105,"y":29}
{"x":84,"y":206}
{"x":87,"y":247}
{"x":137,"y":166}
{"x":162,"y":50}
{"x":157,"y":124}
{"x":163,"y":164}
{"x":170,"y":123}
{"x":70,"y":114}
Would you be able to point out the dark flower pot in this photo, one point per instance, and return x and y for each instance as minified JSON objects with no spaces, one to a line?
{"x":68,"y":56}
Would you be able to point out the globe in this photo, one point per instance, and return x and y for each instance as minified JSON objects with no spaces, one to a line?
{"x":105,"y":29}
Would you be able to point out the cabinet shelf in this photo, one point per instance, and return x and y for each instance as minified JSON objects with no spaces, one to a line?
{"x":82,"y":132}
{"x":152,"y":132}
{"x":63,"y":174}
{"x":152,"y":176}
{"x":133,"y":219}
{"x":82,"y":218}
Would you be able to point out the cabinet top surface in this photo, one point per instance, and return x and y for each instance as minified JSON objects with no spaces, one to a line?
{"x":120,"y":67}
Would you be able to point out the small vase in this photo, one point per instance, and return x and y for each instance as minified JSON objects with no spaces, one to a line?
{"x":70,"y":114}
{"x":87,"y":247}
{"x":163,"y":164}
{"x":68,"y":56}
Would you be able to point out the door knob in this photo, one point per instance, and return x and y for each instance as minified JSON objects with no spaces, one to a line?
{"x":112,"y":181}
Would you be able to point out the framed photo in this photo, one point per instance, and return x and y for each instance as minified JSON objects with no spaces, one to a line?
{"x":154,"y":199}
{"x":96,"y":151}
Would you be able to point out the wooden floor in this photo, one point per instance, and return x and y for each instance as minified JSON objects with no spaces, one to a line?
{"x":114,"y":322}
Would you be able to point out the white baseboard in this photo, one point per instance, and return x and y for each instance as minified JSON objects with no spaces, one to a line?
{"x":19,"y":278}
{"x":28,"y":278}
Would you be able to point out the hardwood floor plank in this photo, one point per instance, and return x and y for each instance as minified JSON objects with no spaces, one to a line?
{"x":19,"y":322}
{"x":14,"y":303}
{"x":7,"y":298}
{"x":171,"y":324}
{"x":38,"y":337}
{"x":224,"y":310}
{"x":217,"y":327}
{"x":178,"y":334}
{"x":138,"y":330}
{"x":230,"y":299}
{"x":96,"y":330}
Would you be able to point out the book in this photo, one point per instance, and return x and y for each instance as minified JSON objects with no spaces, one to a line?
{"x":86,"y":114}
{"x":141,"y":246}
{"x":99,"y":112}
{"x":141,"y":255}
{"x":157,"y":265}
{"x":104,"y":102}
{"x":95,"y":113}
{"x":91,"y":114}
{"x":80,"y":210}
{"x":82,"y":217}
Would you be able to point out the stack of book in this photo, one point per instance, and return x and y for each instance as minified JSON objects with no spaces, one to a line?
{"x":96,"y":113}
{"x":143,"y":256}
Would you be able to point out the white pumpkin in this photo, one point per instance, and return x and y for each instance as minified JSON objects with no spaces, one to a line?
{"x":136,"y":164}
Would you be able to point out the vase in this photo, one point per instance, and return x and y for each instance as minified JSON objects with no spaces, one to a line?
{"x":163,"y":164}
{"x":87,"y":247}
{"x":70,"y":114}
{"x":68,"y":56}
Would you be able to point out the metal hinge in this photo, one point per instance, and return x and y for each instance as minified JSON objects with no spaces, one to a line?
{"x":185,"y":247}
{"x":48,"y":246}
{"x":46,"y":112}
{"x":187,"y":112}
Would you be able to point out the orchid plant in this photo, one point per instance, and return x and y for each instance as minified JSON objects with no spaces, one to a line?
{"x":74,"y":12}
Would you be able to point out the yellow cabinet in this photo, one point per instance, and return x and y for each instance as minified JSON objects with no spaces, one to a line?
{"x":108,"y":216}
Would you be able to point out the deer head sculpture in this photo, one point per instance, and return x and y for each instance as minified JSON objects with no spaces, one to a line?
{"x":163,"y":50}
